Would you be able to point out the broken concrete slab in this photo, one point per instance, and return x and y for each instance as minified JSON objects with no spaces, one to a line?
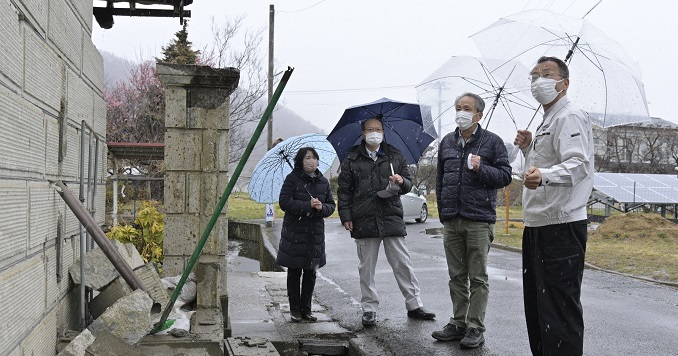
{"x":250,"y":346}
{"x":108,"y":296}
{"x":78,"y":345}
{"x":107,"y":344}
{"x":129,"y":318}
{"x":99,"y":271}
{"x":148,"y":274}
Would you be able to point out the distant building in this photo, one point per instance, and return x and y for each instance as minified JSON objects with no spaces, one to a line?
{"x":647,"y":147}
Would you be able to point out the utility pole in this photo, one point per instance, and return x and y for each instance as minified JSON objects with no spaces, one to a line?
{"x":269,"y":214}
{"x":271,"y":17}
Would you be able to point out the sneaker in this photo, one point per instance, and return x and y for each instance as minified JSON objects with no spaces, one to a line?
{"x":369,"y":319}
{"x":420,"y":313}
{"x":309,"y":316}
{"x":473,"y":339}
{"x":295,"y":317}
{"x":450,"y":332}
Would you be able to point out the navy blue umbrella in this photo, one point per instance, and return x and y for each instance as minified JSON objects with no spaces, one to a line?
{"x":408,"y":127}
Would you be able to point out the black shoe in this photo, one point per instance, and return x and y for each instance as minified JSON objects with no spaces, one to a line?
{"x":420,"y":313}
{"x":473,"y":339}
{"x":450,"y":332}
{"x":369,"y":319}
{"x":295,"y":316}
{"x":308,"y":316}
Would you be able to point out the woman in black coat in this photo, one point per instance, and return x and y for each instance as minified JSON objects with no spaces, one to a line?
{"x":306,"y":199}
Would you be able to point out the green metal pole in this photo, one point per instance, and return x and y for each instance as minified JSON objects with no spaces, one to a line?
{"x":224,"y":198}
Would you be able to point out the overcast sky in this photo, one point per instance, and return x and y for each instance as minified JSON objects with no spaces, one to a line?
{"x":348,"y":52}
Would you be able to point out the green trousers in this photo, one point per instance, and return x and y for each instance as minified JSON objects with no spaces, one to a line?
{"x":467,"y":244}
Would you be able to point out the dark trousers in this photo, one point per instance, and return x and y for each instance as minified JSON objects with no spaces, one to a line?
{"x":300,"y":299}
{"x":553,"y":267}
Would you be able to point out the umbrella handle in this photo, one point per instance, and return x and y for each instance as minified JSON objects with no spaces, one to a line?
{"x":392,"y":172}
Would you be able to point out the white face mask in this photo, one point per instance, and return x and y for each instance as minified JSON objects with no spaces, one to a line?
{"x":544,"y":90}
{"x":374,"y":138}
{"x":464,"y":119}
{"x":310,"y":164}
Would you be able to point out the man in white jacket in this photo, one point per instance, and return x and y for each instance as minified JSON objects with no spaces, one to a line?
{"x":558,"y":184}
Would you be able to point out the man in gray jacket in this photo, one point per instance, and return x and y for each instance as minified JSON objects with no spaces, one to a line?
{"x":558,"y":184}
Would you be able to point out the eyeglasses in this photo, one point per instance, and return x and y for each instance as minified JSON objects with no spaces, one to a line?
{"x":373,"y":129}
{"x":548,"y":75}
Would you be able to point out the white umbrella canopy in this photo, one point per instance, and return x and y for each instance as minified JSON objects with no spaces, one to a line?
{"x":504,"y":88}
{"x":605,"y":80}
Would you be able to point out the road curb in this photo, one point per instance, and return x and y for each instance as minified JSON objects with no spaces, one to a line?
{"x":363,"y":345}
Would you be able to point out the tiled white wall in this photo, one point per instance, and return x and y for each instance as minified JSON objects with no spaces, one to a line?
{"x":51,"y":79}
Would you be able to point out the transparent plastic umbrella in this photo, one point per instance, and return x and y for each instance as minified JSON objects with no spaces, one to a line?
{"x":270,"y":172}
{"x":509,"y":104}
{"x":605,"y":80}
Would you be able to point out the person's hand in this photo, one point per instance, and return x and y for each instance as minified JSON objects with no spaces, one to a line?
{"x":475,"y":162}
{"x":348,"y":225}
{"x":523,"y":139}
{"x":397,"y":179}
{"x":532,"y":178}
{"x":315,"y":203}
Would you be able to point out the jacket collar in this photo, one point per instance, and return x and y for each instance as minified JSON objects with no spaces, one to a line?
{"x":301,"y":174}
{"x":360,"y":149}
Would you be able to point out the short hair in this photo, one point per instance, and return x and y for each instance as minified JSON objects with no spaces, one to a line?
{"x":562,"y":66}
{"x":480,"y":103}
{"x":378,"y":118}
{"x":299,"y":158}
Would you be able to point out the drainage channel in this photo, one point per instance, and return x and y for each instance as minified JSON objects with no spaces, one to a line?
{"x":243,"y":256}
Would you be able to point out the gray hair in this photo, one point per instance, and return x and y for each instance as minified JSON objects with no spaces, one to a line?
{"x":480,"y":103}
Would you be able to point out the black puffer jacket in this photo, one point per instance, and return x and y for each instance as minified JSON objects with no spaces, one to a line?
{"x":302,"y":241}
{"x":462,"y":192}
{"x":359,"y":181}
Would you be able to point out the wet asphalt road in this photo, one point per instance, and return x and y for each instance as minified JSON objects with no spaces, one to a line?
{"x":622,"y":316}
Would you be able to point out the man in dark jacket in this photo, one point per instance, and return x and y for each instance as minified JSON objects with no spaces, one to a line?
{"x":373,"y":176}
{"x":472,"y":165}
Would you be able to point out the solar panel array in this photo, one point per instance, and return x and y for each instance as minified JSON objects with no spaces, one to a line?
{"x":638,"y":188}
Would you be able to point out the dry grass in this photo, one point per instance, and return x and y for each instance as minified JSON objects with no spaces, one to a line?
{"x":640,"y":244}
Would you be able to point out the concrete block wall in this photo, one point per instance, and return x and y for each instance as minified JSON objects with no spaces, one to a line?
{"x":51,"y":79}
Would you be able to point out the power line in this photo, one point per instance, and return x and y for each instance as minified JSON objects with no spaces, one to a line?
{"x":330,"y":91}
{"x":304,"y":9}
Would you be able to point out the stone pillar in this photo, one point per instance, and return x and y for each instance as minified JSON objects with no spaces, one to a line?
{"x":196,"y":170}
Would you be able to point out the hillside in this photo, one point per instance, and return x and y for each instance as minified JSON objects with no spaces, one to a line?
{"x":115,"y":69}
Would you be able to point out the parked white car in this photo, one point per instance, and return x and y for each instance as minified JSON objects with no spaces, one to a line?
{"x":414,"y":206}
